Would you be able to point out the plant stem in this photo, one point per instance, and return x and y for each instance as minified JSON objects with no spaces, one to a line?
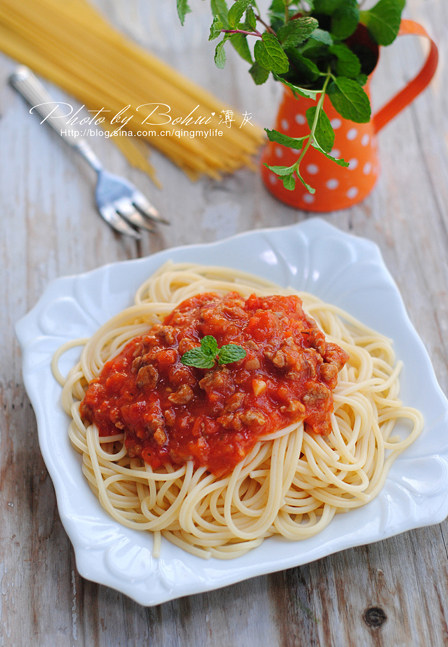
{"x":265,"y":24}
{"x":241,"y":31}
{"x":314,"y":124}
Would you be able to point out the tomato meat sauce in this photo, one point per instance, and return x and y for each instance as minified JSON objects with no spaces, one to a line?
{"x":172,"y":413}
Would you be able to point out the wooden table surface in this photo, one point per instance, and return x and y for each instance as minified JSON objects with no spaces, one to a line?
{"x":390,"y":593}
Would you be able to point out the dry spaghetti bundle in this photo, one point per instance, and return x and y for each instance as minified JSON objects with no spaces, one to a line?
{"x":72,"y":45}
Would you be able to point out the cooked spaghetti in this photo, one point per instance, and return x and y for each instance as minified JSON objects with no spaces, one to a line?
{"x":217,"y":459}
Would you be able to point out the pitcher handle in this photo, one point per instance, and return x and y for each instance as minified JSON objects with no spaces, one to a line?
{"x":416,"y":85}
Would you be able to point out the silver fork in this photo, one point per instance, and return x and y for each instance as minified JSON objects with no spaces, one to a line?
{"x":118,"y":201}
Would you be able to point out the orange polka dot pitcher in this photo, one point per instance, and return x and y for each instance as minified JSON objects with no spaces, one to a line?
{"x":339,"y":187}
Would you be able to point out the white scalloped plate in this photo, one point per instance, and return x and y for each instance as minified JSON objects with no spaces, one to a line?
{"x":312,"y":256}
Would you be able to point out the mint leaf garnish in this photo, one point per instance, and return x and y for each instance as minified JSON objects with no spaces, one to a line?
{"x":209,"y":345}
{"x":206,"y":355}
{"x":230,"y":353}
{"x":196,"y":357}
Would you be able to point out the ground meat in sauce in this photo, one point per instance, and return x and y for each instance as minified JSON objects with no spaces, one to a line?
{"x":172,"y":413}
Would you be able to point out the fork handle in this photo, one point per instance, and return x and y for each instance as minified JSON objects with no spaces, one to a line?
{"x":29,"y":87}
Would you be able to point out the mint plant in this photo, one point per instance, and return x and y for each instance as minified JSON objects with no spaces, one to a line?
{"x":307,"y":46}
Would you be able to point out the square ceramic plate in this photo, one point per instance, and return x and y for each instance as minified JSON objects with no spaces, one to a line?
{"x":312,"y":256}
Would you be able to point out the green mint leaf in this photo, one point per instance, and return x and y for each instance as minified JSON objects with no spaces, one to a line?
{"x":277,"y":13}
{"x":269,"y":54}
{"x":289,"y":182}
{"x":278,"y":6}
{"x":349,"y":99}
{"x":220,"y":55}
{"x":316,"y":47}
{"x":324,"y":133}
{"x":196,"y":357}
{"x":340,"y":161}
{"x":259,"y":74}
{"x":205,"y":355}
{"x":345,"y":19}
{"x":304,"y":68}
{"x":297,"y":90}
{"x":362,"y":79}
{"x":219,"y":8}
{"x":296,"y":31}
{"x":281,"y":170}
{"x":215,"y":28}
{"x":347,"y":63}
{"x":327,"y":7}
{"x":239,"y":42}
{"x":237,"y":10}
{"x":182,"y":10}
{"x":230,"y":353}
{"x":307,"y":186}
{"x":209,"y":346}
{"x":383,"y":20}
{"x":322,"y":36}
{"x":285,"y":140}
{"x":251,"y":21}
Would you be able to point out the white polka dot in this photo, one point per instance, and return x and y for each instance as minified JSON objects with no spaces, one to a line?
{"x":295,"y":151}
{"x":300,"y":119}
{"x":352,"y":164}
{"x":352,"y":133}
{"x":312,"y":168}
{"x":367,"y":168}
{"x":336,"y":123}
{"x":278,"y":152}
{"x":353,"y":192}
{"x":308,"y":198}
{"x":273,"y":179}
{"x":332,"y":184}
{"x":285,"y":124}
{"x":336,"y":153}
{"x":365,"y":139}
